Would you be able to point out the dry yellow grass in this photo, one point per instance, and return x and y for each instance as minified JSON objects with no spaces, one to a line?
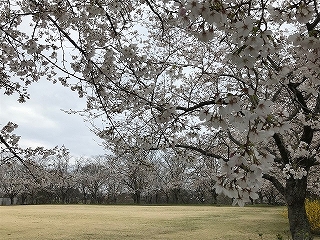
{"x":140,"y":222}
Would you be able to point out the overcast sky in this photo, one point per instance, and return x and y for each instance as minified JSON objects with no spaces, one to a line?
{"x":42,"y":123}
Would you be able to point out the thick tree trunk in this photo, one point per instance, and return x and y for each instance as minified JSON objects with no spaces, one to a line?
{"x":63,"y":197}
{"x":84,"y":195}
{"x":295,"y":194}
{"x":167,"y":197}
{"x":298,"y":220}
{"x":214,"y":196}
{"x":11,"y":199}
{"x":138,"y":196}
{"x":176,"y":195}
{"x":157,"y":197}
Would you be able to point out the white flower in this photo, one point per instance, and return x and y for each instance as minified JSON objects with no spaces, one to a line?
{"x":240,"y":201}
{"x":10,"y":127}
{"x":242,"y":182}
{"x":226,"y":167}
{"x":253,"y":195}
{"x":263,"y":108}
{"x":182,"y":12}
{"x":31,"y":46}
{"x":266,"y":161}
{"x":304,"y":13}
{"x":300,"y":173}
{"x":232,"y":104}
{"x":310,"y":43}
{"x":244,"y":27}
{"x":243,"y":61}
{"x":219,"y":188}
{"x":194,"y":6}
{"x":231,"y":193}
{"x":252,"y":51}
{"x":296,"y":173}
{"x":205,"y":114}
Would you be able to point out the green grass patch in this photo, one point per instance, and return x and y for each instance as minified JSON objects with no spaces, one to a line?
{"x":141,"y":222}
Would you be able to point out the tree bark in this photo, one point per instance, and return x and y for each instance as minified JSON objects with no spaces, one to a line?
{"x":137,"y":197}
{"x":295,"y":193}
{"x":11,"y":199}
{"x":214,"y":196}
{"x":295,"y":197}
{"x":175,"y":195}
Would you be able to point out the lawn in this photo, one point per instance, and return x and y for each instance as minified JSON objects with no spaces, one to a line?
{"x":141,"y":222}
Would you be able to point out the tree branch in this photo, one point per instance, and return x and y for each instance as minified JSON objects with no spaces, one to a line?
{"x":199,"y":105}
{"x":157,"y":14}
{"x":276,"y":183}
{"x":204,"y":152}
{"x":19,"y":158}
{"x":233,"y":139}
{"x":109,"y":18}
{"x":281,"y":147}
{"x":311,"y":26}
{"x":299,"y":97}
{"x":307,"y":130}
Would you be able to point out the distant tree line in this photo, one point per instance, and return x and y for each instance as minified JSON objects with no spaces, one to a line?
{"x":154,"y":177}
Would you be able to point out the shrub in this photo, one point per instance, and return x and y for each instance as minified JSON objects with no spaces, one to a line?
{"x":313,"y":213}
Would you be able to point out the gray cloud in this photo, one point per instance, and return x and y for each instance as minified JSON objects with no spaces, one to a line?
{"x":42,"y":123}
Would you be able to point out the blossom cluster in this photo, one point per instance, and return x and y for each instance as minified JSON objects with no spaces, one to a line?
{"x":240,"y":178}
{"x":8,"y":136}
{"x":251,"y":34}
{"x":294,"y":172}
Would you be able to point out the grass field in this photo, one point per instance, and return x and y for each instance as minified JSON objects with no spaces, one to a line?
{"x":81,"y":222}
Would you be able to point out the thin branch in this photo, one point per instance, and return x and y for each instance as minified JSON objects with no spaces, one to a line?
{"x":19,"y":158}
{"x":233,"y":139}
{"x":157,"y":14}
{"x":233,"y":76}
{"x":276,"y":183}
{"x":299,"y":97}
{"x":277,"y":93}
{"x":199,"y":105}
{"x":109,"y":18}
{"x":307,"y":130}
{"x":98,"y":68}
{"x":273,"y":64}
{"x":204,"y":152}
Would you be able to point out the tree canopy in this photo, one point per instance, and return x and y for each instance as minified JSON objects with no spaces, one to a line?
{"x":235,"y":80}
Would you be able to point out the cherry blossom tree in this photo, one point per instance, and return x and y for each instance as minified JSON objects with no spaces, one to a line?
{"x":270,"y":194}
{"x":204,"y":174}
{"x":114,"y":181}
{"x":174,"y":174}
{"x":235,"y":80}
{"x":12,"y":180}
{"x":137,"y":174}
{"x":30,"y":159}
{"x":92,"y":177}
{"x":61,"y":179}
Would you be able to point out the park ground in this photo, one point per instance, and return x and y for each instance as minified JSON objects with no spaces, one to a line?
{"x":81,"y":222}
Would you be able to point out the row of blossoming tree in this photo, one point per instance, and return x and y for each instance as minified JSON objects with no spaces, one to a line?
{"x":156,"y":178}
{"x":234,"y":80}
{"x":149,"y":178}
